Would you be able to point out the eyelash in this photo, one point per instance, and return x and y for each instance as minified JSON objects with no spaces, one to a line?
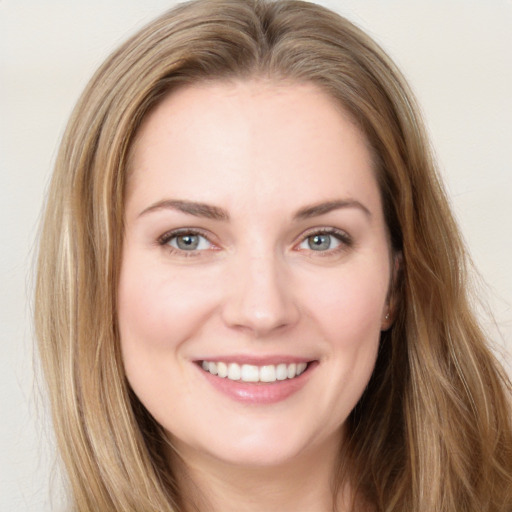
{"x":167,"y":237}
{"x":344,"y":238}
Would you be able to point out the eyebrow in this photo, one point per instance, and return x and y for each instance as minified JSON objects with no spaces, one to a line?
{"x":216,"y":213}
{"x":190,"y":207}
{"x":317,"y":209}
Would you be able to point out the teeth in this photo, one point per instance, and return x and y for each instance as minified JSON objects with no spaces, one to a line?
{"x":268,"y":373}
{"x":282,"y":372}
{"x":252,"y":373}
{"x":300,"y":368}
{"x":222,"y":370}
{"x":234,"y":371}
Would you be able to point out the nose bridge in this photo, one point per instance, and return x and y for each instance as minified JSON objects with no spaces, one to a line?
{"x":261,"y":297}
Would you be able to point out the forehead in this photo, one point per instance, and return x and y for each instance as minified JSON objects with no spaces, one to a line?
{"x":252,"y":137}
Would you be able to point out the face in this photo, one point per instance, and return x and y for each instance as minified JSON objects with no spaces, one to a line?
{"x":255,"y":270}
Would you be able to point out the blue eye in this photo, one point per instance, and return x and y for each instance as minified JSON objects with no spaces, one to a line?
{"x":320,"y":242}
{"x":186,"y":241}
{"x":325,"y":241}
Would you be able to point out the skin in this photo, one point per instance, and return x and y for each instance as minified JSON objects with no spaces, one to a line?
{"x":261,"y":151}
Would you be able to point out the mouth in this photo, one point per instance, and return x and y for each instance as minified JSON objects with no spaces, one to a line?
{"x":257,"y":380}
{"x":249,"y":373}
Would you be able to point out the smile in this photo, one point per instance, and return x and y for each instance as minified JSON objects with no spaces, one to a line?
{"x":252,"y":373}
{"x":257,"y":384}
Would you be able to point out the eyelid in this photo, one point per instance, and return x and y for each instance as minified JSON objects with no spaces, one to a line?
{"x":165,"y":237}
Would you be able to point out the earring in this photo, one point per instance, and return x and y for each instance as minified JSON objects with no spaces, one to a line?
{"x":387,"y":316}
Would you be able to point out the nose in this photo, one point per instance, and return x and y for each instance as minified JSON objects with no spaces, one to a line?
{"x":260,"y":298}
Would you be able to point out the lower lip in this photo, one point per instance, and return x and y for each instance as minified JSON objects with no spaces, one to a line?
{"x":259,"y":392}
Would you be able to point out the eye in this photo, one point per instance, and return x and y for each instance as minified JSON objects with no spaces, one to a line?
{"x":328,"y":240}
{"x":186,"y":241}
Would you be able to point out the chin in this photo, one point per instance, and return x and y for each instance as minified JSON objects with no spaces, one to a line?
{"x":262,"y":448}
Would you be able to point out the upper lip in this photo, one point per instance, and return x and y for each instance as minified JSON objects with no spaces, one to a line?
{"x":257,"y":360}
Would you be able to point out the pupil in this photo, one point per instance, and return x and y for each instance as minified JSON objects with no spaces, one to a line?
{"x":319,"y":242}
{"x":188,"y":242}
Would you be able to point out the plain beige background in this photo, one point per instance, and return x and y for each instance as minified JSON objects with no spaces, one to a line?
{"x":457,"y":54}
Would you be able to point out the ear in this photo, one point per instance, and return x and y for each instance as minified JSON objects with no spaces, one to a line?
{"x":392,"y":300}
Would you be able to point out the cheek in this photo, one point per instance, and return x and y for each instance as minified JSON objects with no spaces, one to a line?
{"x":144,"y":331}
{"x":156,"y":316}
{"x":157,"y":307}
{"x":142,"y":312}
{"x":348,"y":315}
{"x":350,"y":306}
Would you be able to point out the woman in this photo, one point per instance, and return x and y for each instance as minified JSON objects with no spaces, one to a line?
{"x":251,"y":291}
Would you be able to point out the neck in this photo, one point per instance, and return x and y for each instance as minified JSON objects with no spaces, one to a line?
{"x":299,"y":485}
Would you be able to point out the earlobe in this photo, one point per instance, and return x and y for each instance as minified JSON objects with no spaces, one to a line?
{"x":387,"y":321}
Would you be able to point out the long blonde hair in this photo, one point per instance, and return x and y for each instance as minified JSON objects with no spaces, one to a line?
{"x":433,"y":430}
